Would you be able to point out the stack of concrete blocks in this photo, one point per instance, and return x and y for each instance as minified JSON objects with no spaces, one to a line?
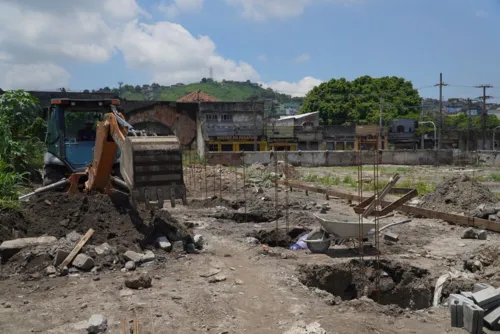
{"x":471,"y":310}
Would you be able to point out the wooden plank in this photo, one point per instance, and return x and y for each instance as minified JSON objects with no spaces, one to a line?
{"x":381,"y":195}
{"x":398,"y":203}
{"x":452,"y":218}
{"x":77,"y":248}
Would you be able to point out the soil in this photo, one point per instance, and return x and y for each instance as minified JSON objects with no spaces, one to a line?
{"x":112,"y":217}
{"x":460,"y":193}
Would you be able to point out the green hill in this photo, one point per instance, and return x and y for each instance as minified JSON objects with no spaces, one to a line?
{"x":224,"y":91}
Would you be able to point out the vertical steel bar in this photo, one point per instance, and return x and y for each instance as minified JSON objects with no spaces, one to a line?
{"x":286,"y":191}
{"x":276,"y":186}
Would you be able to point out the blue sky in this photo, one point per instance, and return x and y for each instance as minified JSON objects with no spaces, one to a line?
{"x":289,"y":45}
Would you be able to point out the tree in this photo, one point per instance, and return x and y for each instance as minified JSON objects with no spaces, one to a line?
{"x":138,"y":89}
{"x":340,"y":101}
{"x":204,"y":80}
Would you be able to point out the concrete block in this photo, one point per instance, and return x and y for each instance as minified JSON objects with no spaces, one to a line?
{"x":473,"y":319}
{"x":467,"y":294}
{"x":18,"y":244}
{"x":60,"y":256}
{"x":391,"y":236}
{"x":480,"y":286}
{"x":83,"y":262}
{"x":486,"y":296}
{"x":492,"y":318}
{"x":456,"y":304}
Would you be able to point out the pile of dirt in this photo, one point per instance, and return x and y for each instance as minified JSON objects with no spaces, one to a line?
{"x":213,"y":202}
{"x":113,"y":218}
{"x":386,"y":282}
{"x":282,"y":169}
{"x":256,"y":210}
{"x":460,"y":193}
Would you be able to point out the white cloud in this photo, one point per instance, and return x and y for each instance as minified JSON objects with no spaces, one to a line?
{"x":171,"y":54}
{"x":176,"y":7}
{"x":302,"y":58}
{"x":282,"y":9}
{"x":33,"y":76}
{"x":262,"y":57}
{"x":481,"y":13}
{"x":299,"y":88}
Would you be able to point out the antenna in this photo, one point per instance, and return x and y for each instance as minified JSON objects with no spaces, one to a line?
{"x":211,"y":73}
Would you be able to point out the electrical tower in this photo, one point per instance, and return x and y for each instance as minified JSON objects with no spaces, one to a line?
{"x":484,"y":112}
{"x":440,"y":84}
{"x":211,"y":73}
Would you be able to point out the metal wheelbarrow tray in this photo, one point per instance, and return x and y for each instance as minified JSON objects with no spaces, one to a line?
{"x":319,"y":240}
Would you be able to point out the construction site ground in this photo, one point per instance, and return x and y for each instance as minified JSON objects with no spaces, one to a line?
{"x":258,"y":290}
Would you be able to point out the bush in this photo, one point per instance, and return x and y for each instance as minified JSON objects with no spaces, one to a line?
{"x":11,"y":183}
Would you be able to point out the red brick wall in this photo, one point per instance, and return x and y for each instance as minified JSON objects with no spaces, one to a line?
{"x":181,"y":124}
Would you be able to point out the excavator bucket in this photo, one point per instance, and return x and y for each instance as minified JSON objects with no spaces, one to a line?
{"x":152,"y":169}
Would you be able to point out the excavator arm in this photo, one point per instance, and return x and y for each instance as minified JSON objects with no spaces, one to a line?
{"x":151,"y":166}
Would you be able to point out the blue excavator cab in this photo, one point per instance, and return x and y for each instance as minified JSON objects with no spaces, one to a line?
{"x":70,"y":139}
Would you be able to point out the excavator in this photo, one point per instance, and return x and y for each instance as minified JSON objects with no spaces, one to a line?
{"x":91,"y":147}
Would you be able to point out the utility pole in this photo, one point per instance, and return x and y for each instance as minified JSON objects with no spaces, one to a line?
{"x":380,"y":132}
{"x":440,"y":84}
{"x":422,"y":143}
{"x":120,"y":84}
{"x":469,"y":102}
{"x":484,"y":112}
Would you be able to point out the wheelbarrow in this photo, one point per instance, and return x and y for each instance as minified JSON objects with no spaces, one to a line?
{"x":320,"y":239}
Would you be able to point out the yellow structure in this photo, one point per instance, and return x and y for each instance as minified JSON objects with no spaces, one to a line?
{"x":235,"y":146}
{"x":367,"y":137}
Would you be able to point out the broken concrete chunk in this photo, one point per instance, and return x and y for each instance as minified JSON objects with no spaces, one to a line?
{"x":482,"y":235}
{"x":83,"y":262}
{"x":132,"y":256}
{"x":469,"y":233}
{"x":50,"y":270}
{"x":164,"y":243}
{"x":60,"y":256}
{"x":97,"y":324}
{"x":217,"y":278}
{"x":73,"y":236}
{"x":26,"y":242}
{"x":130,"y":265}
{"x":103,"y":249}
{"x":252,"y":240}
{"x":391,"y":236}
{"x":148,"y":256}
{"x":138,"y":281}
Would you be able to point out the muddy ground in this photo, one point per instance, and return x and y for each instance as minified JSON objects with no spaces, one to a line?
{"x":265,"y":290}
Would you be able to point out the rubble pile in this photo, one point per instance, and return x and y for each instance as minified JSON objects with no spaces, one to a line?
{"x":282,"y":169}
{"x":39,"y":237}
{"x":485,"y":263}
{"x":462,"y":194}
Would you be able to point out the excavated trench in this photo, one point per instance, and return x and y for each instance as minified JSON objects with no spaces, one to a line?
{"x":398,"y":284}
{"x":279,"y":237}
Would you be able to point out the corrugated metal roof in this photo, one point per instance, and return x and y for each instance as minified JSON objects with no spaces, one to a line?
{"x":298,"y":116}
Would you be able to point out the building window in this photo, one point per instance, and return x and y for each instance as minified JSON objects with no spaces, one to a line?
{"x":247,"y":147}
{"x":227,"y":147}
{"x":210,"y":117}
{"x":400,"y":129}
{"x":213,"y":147}
{"x":226,"y":117}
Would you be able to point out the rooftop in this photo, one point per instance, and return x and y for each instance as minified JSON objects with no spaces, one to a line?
{"x":298,"y":116}
{"x":197,"y":96}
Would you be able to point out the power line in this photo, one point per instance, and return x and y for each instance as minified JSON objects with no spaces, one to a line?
{"x":440,"y":84}
{"x":484,"y":112}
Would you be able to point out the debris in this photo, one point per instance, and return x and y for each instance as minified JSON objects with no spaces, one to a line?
{"x":103,"y":249}
{"x":130,"y":265}
{"x":482,"y":235}
{"x":238,"y":282}
{"x":126,"y":293}
{"x":198,"y":241}
{"x":300,"y":244}
{"x":60,"y":256}
{"x":391,"y":237}
{"x":83,"y":262}
{"x":7,"y":305}
{"x":18,"y":244}
{"x":50,"y":270}
{"x":138,"y":281}
{"x":163,"y":243}
{"x":132,"y":256}
{"x":487,"y":298}
{"x":252,"y":241}
{"x":480,"y":286}
{"x":212,"y":272}
{"x":492,"y":319}
{"x":469,"y":233}
{"x":217,"y":278}
{"x":148,"y":256}
{"x":77,"y":248}
{"x":73,"y":236}
{"x":97,"y":324}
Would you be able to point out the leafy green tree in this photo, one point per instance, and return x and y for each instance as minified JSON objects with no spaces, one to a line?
{"x":340,"y":101}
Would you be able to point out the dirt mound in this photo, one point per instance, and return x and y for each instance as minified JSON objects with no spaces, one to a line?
{"x":213,"y":202}
{"x":398,"y":284}
{"x":459,"y":193}
{"x":112,"y":217}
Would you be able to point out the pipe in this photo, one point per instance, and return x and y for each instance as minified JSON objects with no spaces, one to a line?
{"x":46,"y":188}
{"x":120,"y":183}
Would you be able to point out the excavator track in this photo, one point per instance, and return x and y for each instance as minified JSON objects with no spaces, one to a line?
{"x":152,"y":168}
